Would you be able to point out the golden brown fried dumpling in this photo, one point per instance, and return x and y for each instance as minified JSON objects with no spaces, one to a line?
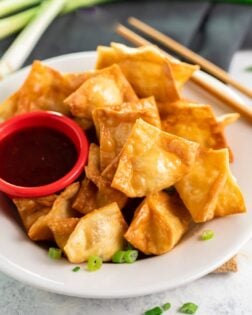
{"x":146,"y":105}
{"x":98,"y":233}
{"x":62,"y":229}
{"x":181,"y":71}
{"x":158,"y":224}
{"x":93,"y":167}
{"x":62,"y":208}
{"x":105,"y":88}
{"x":209,"y":189}
{"x":197,"y":123}
{"x":31,"y":209}
{"x":146,"y":69}
{"x":91,"y":197}
{"x":149,"y":63}
{"x":152,"y":160}
{"x":114,"y":127}
{"x":44,"y":89}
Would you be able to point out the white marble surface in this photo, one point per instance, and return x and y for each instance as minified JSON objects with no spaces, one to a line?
{"x":222,"y":294}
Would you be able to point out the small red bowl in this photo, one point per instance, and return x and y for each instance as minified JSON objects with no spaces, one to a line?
{"x":61,"y":124}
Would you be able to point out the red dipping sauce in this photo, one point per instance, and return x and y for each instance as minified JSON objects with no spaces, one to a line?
{"x":41,"y":153}
{"x":36,"y":156}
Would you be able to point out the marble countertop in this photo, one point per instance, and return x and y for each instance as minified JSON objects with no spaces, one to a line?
{"x":216,"y":294}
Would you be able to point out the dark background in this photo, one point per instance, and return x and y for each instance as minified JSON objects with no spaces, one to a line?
{"x":215,"y":31}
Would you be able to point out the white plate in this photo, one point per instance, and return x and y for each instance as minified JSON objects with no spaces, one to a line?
{"x":191,"y":259}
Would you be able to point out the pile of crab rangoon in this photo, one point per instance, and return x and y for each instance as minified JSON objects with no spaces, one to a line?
{"x":146,"y":139}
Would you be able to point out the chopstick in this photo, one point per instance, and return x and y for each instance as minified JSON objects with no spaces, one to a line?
{"x":197,"y":77}
{"x":189,"y":55}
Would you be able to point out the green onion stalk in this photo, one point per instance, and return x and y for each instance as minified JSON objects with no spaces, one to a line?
{"x":14,"y":23}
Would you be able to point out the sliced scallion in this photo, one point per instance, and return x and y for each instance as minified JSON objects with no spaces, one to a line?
{"x":207,"y":235}
{"x":118,"y":257}
{"x":54,"y":253}
{"x":166,"y":306}
{"x":94,"y":263}
{"x":130,"y":256}
{"x":188,"y":308}
{"x":154,"y":311}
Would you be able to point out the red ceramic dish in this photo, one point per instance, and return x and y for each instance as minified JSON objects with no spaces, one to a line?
{"x":60,"y":124}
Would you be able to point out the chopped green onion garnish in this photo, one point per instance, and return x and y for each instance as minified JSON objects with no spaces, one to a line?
{"x":76,"y":269}
{"x":54,"y":253}
{"x":207,"y":235}
{"x":94,"y":263}
{"x":188,"y":308}
{"x":118,"y":257}
{"x":154,"y":311}
{"x":130,"y":256}
{"x":166,"y":306}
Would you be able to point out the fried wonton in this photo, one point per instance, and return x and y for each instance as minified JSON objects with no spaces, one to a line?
{"x":209,"y":189}
{"x":163,"y":76}
{"x":44,"y":89}
{"x":114,"y":127}
{"x":91,"y":197}
{"x":93,"y":167}
{"x":105,"y":88}
{"x":197,"y":123}
{"x":146,"y":69}
{"x":62,"y":208}
{"x":158,"y":224}
{"x":31,"y":209}
{"x":152,"y":160}
{"x":62,"y":229}
{"x":98,"y":233}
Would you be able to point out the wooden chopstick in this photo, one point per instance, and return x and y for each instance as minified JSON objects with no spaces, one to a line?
{"x":197,"y":77}
{"x":189,"y":55}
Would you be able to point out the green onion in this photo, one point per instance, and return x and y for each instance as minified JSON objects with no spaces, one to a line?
{"x":27,"y":39}
{"x":248,"y":69}
{"x":188,"y":308}
{"x":118,"y":257}
{"x":154,"y":311}
{"x":54,"y":253}
{"x":76,"y":269}
{"x":207,"y":235}
{"x":166,"y":306}
{"x":125,"y":256}
{"x":94,"y":263}
{"x":15,"y":23}
{"x":130,"y":256}
{"x":72,"y":5}
{"x":11,"y":6}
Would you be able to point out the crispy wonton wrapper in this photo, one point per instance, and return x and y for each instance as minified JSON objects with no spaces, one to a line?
{"x":158,"y":224}
{"x":197,"y":123}
{"x":98,"y":233}
{"x":209,"y":190}
{"x":32,"y":209}
{"x":170,"y":157}
{"x":105,"y":88}
{"x":96,"y":191}
{"x":114,"y":127}
{"x":148,"y":63}
{"x":62,"y":208}
{"x":62,"y":229}
{"x":44,"y":89}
